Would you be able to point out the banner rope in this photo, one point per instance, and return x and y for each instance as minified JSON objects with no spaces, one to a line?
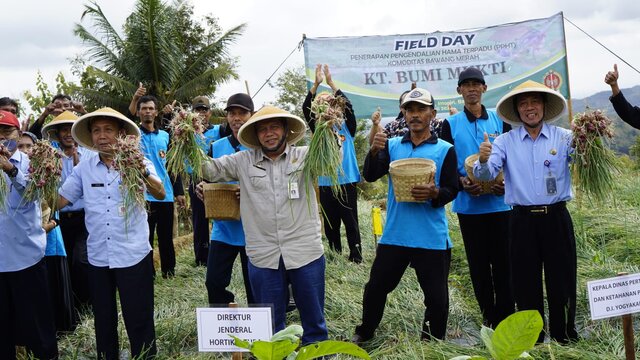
{"x":599,"y":43}
{"x":297,"y":47}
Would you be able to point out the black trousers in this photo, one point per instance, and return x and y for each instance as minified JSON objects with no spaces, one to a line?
{"x":200,"y":228}
{"x":342,"y":208}
{"x":486,"y":244}
{"x":26,"y":313}
{"x":432,"y":270}
{"x":219,"y":270}
{"x":74,"y":234}
{"x":160,"y":218}
{"x":135,"y":287}
{"x":538,"y":242}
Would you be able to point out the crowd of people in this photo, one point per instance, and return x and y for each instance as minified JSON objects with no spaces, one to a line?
{"x":54,"y":268}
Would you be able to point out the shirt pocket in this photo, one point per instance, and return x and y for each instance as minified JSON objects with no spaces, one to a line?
{"x":258,"y":178}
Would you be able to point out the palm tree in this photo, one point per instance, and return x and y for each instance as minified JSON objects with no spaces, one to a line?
{"x":158,"y":49}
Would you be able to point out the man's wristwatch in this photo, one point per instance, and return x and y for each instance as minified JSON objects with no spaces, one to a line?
{"x":13,"y":172}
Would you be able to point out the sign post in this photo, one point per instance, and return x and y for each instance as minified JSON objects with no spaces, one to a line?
{"x":216,"y":324}
{"x":617,"y":296}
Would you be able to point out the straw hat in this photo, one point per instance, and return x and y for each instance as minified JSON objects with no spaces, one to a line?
{"x":554,"y":104}
{"x":80,"y":129}
{"x":296,"y":127}
{"x":49,"y":131}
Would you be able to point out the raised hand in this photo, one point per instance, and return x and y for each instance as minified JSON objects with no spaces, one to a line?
{"x":376,"y":117}
{"x":327,"y":76}
{"x":485,"y":149}
{"x":612,"y":76}
{"x":319,"y":77}
{"x":140,"y":92}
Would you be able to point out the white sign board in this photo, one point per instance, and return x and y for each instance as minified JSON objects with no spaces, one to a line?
{"x":216,"y":324}
{"x":615,"y":296}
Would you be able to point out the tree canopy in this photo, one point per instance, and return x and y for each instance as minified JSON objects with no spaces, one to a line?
{"x":161,"y":46}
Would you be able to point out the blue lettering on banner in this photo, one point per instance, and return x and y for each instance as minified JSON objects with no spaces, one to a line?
{"x":432,"y":41}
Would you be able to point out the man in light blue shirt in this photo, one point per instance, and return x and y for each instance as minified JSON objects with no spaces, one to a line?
{"x":118,"y":245}
{"x":535,"y":158}
{"x":25,"y":302}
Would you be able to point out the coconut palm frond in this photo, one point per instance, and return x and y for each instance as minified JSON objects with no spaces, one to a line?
{"x":113,"y":82}
{"x":105,"y":35}
{"x":216,"y":50}
{"x":100,"y":98}
{"x":149,"y":39}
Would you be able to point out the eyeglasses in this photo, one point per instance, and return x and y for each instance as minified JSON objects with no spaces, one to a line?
{"x":201,"y":109}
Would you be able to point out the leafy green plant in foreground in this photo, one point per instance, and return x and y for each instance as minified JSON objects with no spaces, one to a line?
{"x":512,"y":338}
{"x":284,"y":343}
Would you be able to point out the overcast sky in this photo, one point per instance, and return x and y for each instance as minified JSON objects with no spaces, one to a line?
{"x":38,"y":34}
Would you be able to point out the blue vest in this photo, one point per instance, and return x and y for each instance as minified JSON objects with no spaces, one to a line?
{"x":55,"y":244}
{"x":228,"y":232}
{"x":467,"y":137}
{"x":416,"y":225}
{"x":154,"y":146}
{"x":350,"y":172}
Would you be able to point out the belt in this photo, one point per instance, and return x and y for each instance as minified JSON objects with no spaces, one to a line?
{"x":71,"y":214}
{"x":540,"y":209}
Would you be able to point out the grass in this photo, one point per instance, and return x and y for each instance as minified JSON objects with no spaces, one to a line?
{"x":607,"y":242}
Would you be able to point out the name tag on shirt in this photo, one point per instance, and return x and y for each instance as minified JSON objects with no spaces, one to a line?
{"x":293,"y":191}
{"x":97,"y":185}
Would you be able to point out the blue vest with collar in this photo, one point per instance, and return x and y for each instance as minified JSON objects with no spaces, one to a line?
{"x":416,"y":225}
{"x":467,"y":137}
{"x":227,"y":231}
{"x":154,"y":146}
{"x":350,"y":172}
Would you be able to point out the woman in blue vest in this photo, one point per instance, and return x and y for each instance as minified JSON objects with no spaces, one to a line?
{"x":342,"y":207}
{"x":416,"y":233}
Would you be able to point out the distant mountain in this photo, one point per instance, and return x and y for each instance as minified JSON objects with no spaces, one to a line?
{"x":625,"y":135}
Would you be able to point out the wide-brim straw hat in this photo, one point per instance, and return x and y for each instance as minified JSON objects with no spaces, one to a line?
{"x":296,"y":127}
{"x":50,"y":131}
{"x":554,"y":104}
{"x":82,"y":134}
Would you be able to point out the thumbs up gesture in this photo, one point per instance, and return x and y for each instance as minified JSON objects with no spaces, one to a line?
{"x":485,"y":149}
{"x":611,"y":77}
{"x":140,"y":92}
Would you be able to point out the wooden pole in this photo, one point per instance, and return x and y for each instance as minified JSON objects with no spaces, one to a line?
{"x":235,"y":355}
{"x":246,"y":85}
{"x":627,"y":330}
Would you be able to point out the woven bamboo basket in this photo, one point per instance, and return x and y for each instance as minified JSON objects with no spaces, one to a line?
{"x":486,"y":185}
{"x":221,"y":202}
{"x":407,"y":173}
